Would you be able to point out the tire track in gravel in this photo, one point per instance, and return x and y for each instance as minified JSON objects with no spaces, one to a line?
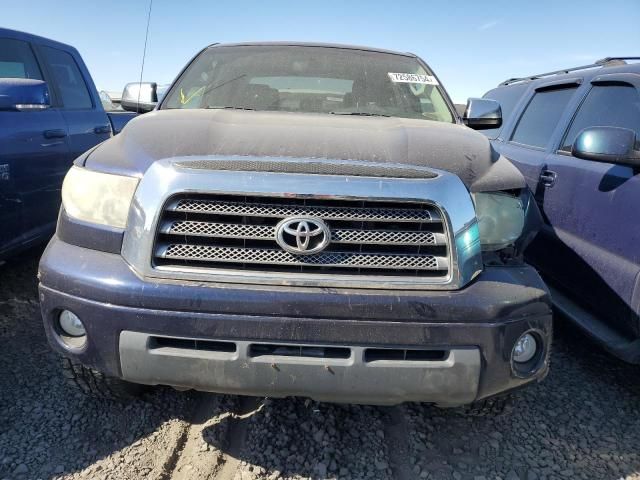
{"x":210,"y":447}
{"x":200,"y":454}
{"x":237,"y":435}
{"x":396,"y":433}
{"x":170,"y":463}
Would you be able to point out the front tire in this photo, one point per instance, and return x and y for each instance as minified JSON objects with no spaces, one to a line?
{"x":96,"y":384}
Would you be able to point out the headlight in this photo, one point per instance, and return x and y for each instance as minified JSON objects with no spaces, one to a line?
{"x":98,"y":197}
{"x":500,"y":219}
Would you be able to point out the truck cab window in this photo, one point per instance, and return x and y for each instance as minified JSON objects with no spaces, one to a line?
{"x":17,"y":60}
{"x":68,"y":77}
{"x":539,"y":120}
{"x":611,"y":105}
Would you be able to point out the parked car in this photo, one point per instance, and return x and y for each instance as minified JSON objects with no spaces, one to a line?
{"x":50,"y":113}
{"x":300,"y":220}
{"x":575,"y":136}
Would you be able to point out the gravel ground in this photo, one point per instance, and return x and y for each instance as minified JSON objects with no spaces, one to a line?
{"x":51,"y":431}
{"x":583,"y":421}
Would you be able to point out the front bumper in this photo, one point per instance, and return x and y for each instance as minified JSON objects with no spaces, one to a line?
{"x":141,"y":330}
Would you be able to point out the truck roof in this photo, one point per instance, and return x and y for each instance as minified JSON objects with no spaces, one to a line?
{"x":312,"y":44}
{"x":30,"y":37}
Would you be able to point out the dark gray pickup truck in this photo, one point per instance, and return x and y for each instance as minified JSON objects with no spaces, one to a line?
{"x":299,"y":220}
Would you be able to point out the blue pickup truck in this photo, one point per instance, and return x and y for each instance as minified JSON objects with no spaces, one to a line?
{"x":50,"y":113}
{"x":575,"y":136}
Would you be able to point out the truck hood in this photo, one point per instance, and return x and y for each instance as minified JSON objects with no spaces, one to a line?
{"x":165,"y":134}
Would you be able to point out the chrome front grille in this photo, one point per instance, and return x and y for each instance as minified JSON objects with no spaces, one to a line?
{"x":236,"y":232}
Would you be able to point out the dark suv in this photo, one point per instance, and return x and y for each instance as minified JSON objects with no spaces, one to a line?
{"x":575,"y":135}
{"x":300,"y":219}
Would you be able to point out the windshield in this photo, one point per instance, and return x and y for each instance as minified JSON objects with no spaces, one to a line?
{"x":310,"y":80}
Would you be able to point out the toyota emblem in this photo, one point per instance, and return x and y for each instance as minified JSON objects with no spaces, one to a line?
{"x":303,"y":235}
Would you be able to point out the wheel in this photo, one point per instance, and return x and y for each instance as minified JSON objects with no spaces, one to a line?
{"x":489,"y":407}
{"x":96,"y":384}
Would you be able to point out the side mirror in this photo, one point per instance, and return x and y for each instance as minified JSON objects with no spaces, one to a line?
{"x":607,"y":144}
{"x":139,"y":97}
{"x":23,"y":94}
{"x":482,"y":114}
{"x":106,"y":101}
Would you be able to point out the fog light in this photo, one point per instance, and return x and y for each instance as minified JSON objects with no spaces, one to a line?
{"x":71,"y":324}
{"x":525,"y":348}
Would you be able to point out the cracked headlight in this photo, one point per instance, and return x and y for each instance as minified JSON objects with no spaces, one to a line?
{"x":500,"y":219}
{"x":96,"y":197}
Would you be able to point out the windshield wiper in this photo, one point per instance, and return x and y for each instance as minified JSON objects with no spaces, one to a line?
{"x":213,"y":87}
{"x":361,"y":114}
{"x":229,"y":108}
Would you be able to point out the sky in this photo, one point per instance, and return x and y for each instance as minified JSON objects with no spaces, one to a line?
{"x":471,"y":45}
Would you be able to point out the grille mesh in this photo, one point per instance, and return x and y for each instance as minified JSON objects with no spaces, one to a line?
{"x":235,"y":232}
{"x":222,"y":230}
{"x":282,"y":211}
{"x":280,"y":257}
{"x":263,"y":232}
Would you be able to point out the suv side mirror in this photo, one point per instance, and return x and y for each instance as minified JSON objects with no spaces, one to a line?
{"x":607,"y":144}
{"x":139,"y":97}
{"x":23,"y":94}
{"x":482,"y":114}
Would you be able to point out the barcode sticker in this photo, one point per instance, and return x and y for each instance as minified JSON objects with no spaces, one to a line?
{"x":413,"y":78}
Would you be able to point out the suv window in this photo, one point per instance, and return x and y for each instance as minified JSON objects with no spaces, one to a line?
{"x":539,"y":120}
{"x":66,"y":73}
{"x":611,"y":106}
{"x":508,"y":97}
{"x":17,"y":60}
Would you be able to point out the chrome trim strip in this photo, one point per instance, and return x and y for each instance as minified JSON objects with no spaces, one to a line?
{"x":164,"y":179}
